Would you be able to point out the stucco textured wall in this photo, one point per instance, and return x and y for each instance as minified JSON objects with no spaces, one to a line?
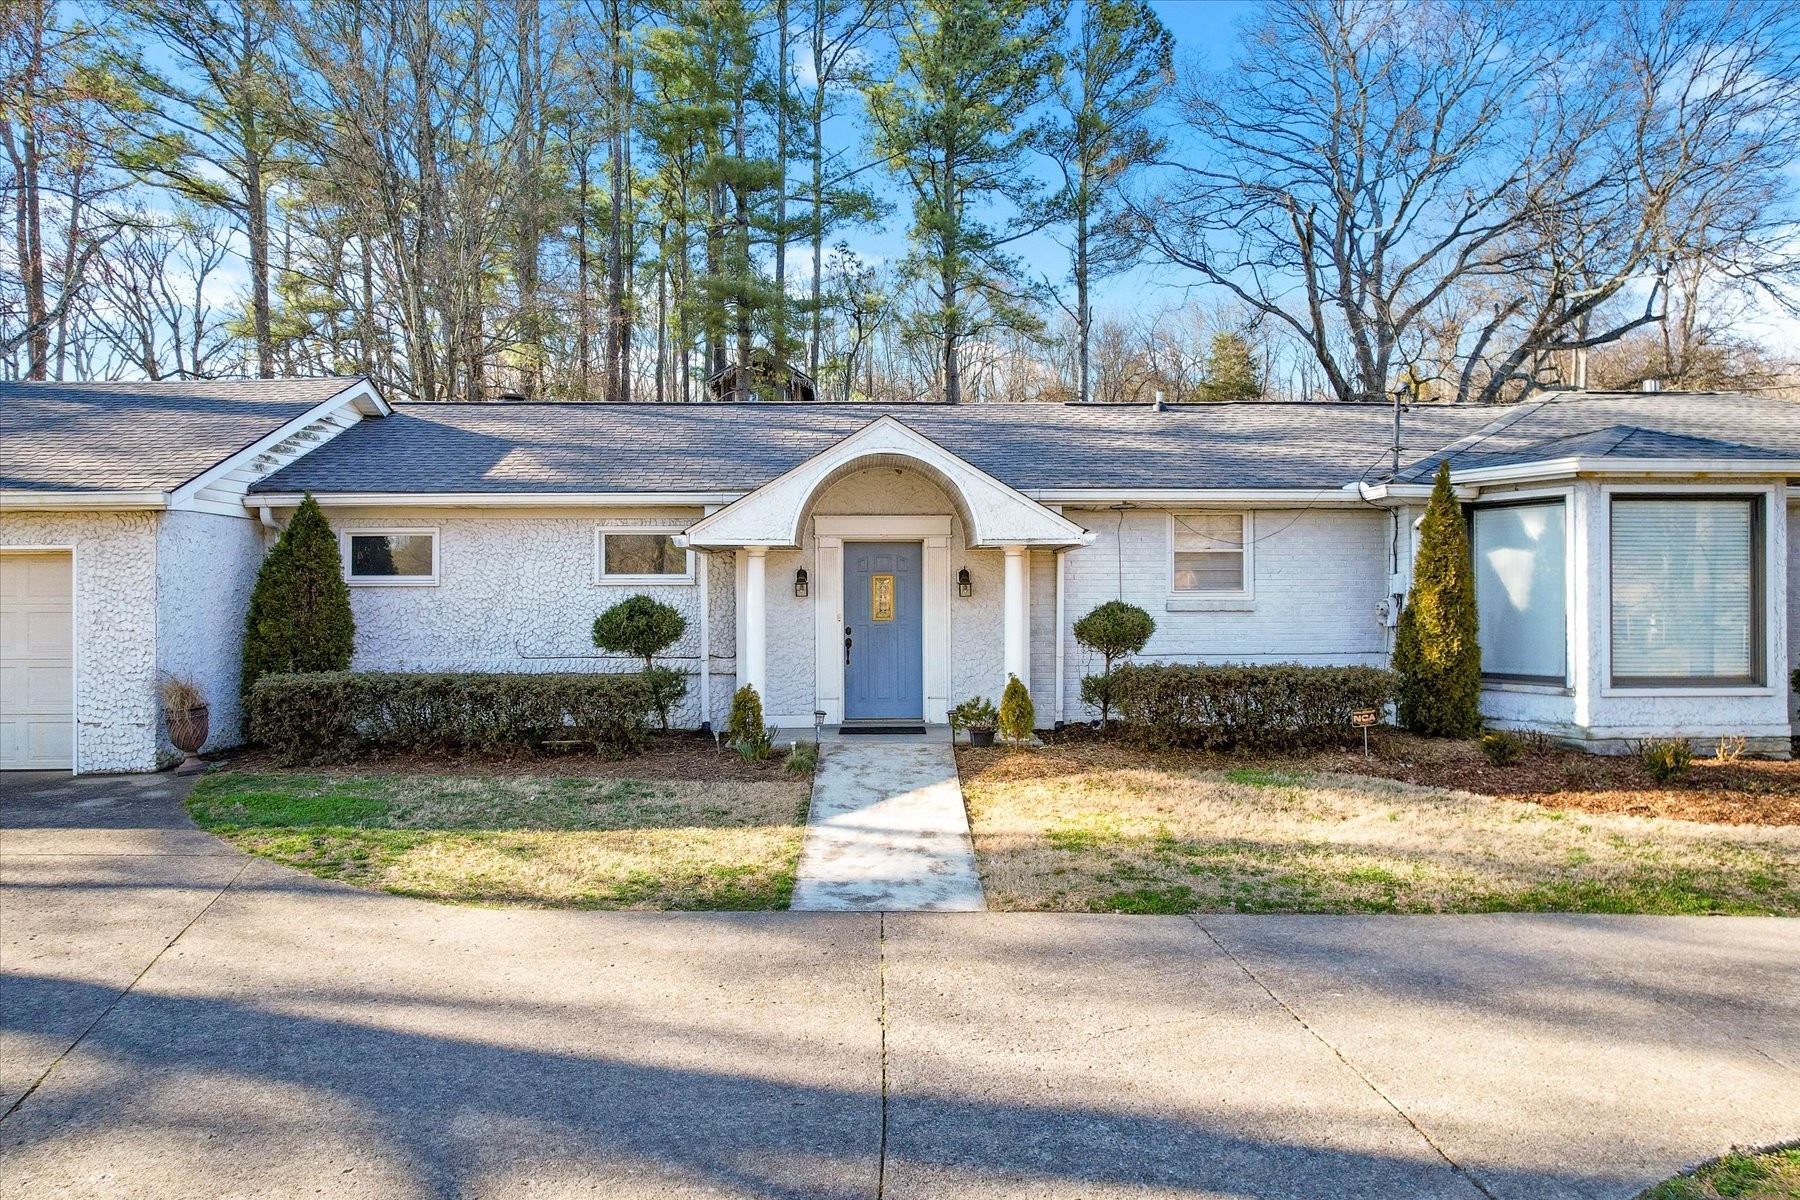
{"x":1317,"y":578}
{"x":514,"y":593}
{"x":118,"y":720}
{"x":206,"y":568}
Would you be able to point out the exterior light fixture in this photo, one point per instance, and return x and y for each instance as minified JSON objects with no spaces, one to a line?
{"x":964,"y":586}
{"x":800,"y":585}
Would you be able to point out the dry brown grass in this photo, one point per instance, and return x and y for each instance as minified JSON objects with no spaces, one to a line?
{"x":510,"y":839}
{"x":1100,"y":827}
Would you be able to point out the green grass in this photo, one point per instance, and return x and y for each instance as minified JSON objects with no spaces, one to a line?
{"x":521,"y":840}
{"x":1771,"y":1176}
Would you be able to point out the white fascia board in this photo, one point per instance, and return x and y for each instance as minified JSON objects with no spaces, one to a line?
{"x":256,"y":500}
{"x":360,"y":394}
{"x":28,"y":500}
{"x":1562,"y":468}
{"x":1179,"y":497}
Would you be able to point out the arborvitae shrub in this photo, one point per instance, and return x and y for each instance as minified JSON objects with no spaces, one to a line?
{"x":745,"y":729}
{"x":299,"y":617}
{"x":1018,"y":716}
{"x":1435,"y":647}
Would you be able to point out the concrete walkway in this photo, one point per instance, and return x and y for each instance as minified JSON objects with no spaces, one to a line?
{"x":177,"y":1020}
{"x":887,"y":831}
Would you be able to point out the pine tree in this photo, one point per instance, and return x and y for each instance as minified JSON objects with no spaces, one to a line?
{"x":1435,"y":647}
{"x":1232,"y":372}
{"x":300,"y":609}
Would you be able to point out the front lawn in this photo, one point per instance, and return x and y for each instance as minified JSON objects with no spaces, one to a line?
{"x":1771,"y":1176}
{"x":1088,"y":825}
{"x":514,"y":838}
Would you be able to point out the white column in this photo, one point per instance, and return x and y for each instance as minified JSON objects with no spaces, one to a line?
{"x":1018,"y":636}
{"x":756,"y":621}
{"x":704,"y":582}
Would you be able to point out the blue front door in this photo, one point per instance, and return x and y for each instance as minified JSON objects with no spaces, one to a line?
{"x":883,"y":632}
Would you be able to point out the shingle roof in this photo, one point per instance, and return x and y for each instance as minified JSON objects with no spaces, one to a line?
{"x":1623,"y":442}
{"x":1736,"y":426}
{"x":140,"y":436}
{"x":548,"y":448}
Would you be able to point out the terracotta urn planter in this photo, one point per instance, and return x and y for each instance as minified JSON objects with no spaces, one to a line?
{"x":188,"y":730}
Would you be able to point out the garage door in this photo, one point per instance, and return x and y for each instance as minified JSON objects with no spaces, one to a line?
{"x":37,"y":662}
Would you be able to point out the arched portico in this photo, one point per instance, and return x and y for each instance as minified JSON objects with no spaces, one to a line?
{"x":779,"y":517}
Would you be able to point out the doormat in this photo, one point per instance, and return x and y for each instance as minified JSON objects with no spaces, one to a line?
{"x":853,"y":729}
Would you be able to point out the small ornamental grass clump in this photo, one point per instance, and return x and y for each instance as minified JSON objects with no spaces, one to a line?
{"x":1115,"y":631}
{"x":1502,"y":747}
{"x":1666,"y":761}
{"x":299,"y":618}
{"x":745,"y":730}
{"x":643,"y":628}
{"x":1018,"y":716}
{"x":1435,"y":651}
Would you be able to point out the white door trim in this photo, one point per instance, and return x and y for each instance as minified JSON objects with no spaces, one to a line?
{"x":933,"y":533}
{"x":74,"y":554}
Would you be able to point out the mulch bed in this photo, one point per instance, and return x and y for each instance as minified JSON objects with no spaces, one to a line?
{"x":669,"y":756}
{"x":1744,"y":792}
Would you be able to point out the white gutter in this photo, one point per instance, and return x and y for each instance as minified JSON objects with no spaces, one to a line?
{"x":32,"y":500}
{"x":493,"y":499}
{"x":1077,"y":497}
{"x":1557,"y":468}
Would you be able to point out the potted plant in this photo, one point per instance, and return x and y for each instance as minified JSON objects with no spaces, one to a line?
{"x":185,"y":713}
{"x":978,"y":716}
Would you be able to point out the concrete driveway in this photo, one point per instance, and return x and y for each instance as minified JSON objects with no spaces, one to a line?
{"x":181,"y":1021}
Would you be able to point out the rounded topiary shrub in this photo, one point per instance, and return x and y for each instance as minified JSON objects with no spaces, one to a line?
{"x":299,"y":618}
{"x":1115,"y":631}
{"x":1435,"y":648}
{"x":639,"y":626}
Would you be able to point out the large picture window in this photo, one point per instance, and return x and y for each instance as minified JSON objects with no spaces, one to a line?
{"x":1521,"y":591}
{"x":641,"y":556}
{"x":1209,"y":554}
{"x":1686,"y":590}
{"x":390,"y":556}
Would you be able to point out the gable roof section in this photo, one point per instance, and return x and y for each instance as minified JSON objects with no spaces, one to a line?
{"x":95,"y":441}
{"x":993,"y":513}
{"x":687,"y":449}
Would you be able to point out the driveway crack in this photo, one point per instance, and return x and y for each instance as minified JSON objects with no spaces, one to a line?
{"x":136,"y":979}
{"x":1326,"y":1042}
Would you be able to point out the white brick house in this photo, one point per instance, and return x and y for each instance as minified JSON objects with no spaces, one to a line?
{"x":1632,"y":551}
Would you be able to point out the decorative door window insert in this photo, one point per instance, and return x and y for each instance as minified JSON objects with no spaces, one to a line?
{"x":881,"y":597}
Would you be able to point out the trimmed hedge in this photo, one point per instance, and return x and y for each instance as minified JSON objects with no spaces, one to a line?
{"x":330,"y":716}
{"x":1283,"y":706}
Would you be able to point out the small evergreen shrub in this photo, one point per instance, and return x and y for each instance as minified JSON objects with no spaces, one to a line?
{"x":331,"y":716}
{"x":643,"y":628}
{"x":745,"y":730}
{"x":1502,"y":747}
{"x":299,"y":618}
{"x":1666,"y":761}
{"x":1435,"y":649}
{"x":1018,"y":716}
{"x":1115,"y":631}
{"x":977,"y":712}
{"x":1277,"y":706}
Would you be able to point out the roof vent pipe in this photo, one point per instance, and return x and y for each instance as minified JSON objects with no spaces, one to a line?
{"x":1160,"y":406}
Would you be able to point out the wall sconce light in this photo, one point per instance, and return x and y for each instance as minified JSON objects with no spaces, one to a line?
{"x":964,"y":587}
{"x":800,"y":585}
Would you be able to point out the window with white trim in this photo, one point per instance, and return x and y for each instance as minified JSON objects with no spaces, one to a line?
{"x":1521,"y":590}
{"x":1209,"y":554}
{"x":641,"y":556}
{"x":1686,"y":590}
{"x":390,"y":556}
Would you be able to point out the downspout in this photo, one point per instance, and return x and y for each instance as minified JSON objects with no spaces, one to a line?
{"x":267,"y":516}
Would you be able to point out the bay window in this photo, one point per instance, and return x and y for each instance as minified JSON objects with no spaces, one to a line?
{"x":1686,"y":590}
{"x":1521,"y":590}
